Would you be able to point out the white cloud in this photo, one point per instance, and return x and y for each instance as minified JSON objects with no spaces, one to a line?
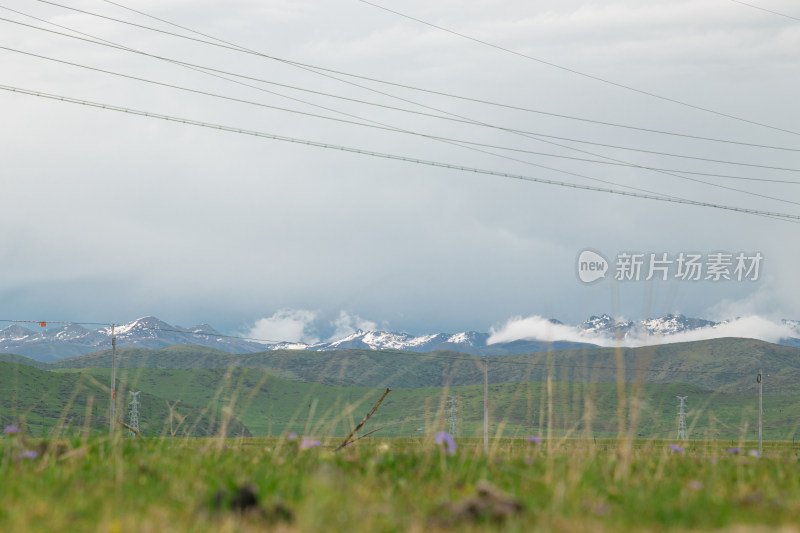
{"x":751,"y":327}
{"x":538,"y":328}
{"x":294,"y":325}
{"x":347,"y":324}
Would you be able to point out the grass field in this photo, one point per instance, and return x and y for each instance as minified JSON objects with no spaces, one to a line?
{"x":218,"y":452}
{"x":255,"y":484}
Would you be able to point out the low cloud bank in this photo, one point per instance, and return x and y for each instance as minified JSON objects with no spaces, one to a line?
{"x":542,"y":329}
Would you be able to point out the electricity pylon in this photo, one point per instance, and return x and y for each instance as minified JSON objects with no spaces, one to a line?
{"x":452,"y":419}
{"x":682,"y":419}
{"x":133,"y":413}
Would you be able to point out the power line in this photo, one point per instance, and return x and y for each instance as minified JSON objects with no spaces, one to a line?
{"x":463,"y":144}
{"x":449,"y":95}
{"x":765,"y":9}
{"x":781,"y":216}
{"x":390,"y":128}
{"x":442,"y":139}
{"x":458,"y":119}
{"x":238,"y":48}
{"x":433,"y":137}
{"x":456,"y":142}
{"x":377,"y":125}
{"x":579,"y":73}
{"x":45,"y":322}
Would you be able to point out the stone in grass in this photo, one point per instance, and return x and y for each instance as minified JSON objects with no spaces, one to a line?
{"x":244,"y":500}
{"x":488,"y":503}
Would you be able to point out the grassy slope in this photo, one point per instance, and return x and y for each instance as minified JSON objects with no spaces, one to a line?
{"x":269,"y":405}
{"x":22,"y":360}
{"x":720,"y":364}
{"x":55,"y":402}
{"x":329,"y":392}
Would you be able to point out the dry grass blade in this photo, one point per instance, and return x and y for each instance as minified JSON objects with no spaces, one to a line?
{"x":364,"y":420}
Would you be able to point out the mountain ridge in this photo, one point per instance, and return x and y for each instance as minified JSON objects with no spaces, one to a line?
{"x":70,"y":340}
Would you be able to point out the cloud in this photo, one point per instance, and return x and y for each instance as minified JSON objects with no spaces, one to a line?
{"x":347,"y":324}
{"x":538,"y":328}
{"x":542,"y":329}
{"x":293,"y":325}
{"x":750,"y":327}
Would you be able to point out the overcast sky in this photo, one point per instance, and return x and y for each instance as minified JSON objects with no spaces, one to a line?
{"x":107,"y":217}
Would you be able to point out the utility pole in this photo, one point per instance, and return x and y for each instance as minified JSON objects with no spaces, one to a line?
{"x":111,"y":409}
{"x":682,"y":419}
{"x":486,"y":404}
{"x":760,"y":411}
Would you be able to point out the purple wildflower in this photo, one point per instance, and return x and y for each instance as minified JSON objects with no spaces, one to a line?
{"x":28,"y":454}
{"x":291,"y":437}
{"x":443,"y":437}
{"x":734,"y":450}
{"x":675,"y":448}
{"x":534,"y":439}
{"x":754,"y":453}
{"x":11,"y":430}
{"x":307,"y":443}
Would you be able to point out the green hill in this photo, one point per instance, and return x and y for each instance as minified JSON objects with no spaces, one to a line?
{"x":729,"y":365}
{"x":22,"y":360}
{"x":267,"y":405}
{"x":54,"y":403}
{"x":270,"y":393}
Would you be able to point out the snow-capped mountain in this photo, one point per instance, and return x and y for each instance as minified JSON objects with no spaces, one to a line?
{"x":666,"y":325}
{"x":69,"y":340}
{"x":672,"y":328}
{"x":471,"y":342}
{"x":59,"y":342}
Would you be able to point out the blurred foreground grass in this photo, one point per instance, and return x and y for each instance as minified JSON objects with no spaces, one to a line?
{"x":256,"y":484}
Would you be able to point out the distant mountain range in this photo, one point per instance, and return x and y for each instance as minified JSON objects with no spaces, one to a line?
{"x":69,"y":340}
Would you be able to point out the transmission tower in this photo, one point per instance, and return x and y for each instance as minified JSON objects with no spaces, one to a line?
{"x":452,"y":419}
{"x":133,"y":413}
{"x":682,"y":419}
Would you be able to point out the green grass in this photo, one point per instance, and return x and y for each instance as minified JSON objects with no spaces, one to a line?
{"x":579,"y":478}
{"x":102,"y":484}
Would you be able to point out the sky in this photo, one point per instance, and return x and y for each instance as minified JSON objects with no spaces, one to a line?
{"x":109,"y":216}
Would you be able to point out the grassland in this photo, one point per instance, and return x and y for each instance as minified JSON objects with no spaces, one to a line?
{"x":256,"y":484}
{"x":571,"y":448}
